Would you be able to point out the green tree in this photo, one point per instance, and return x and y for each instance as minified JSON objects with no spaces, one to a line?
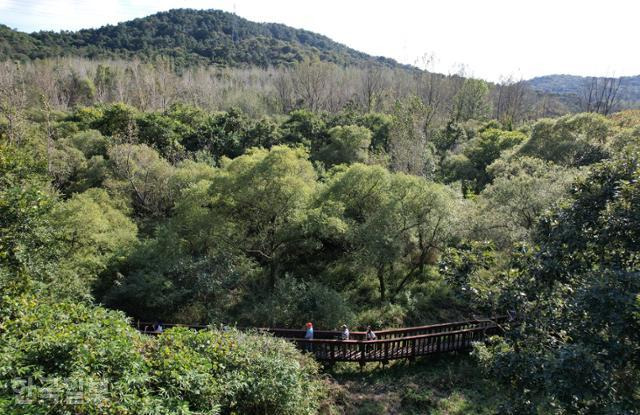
{"x":29,"y":248}
{"x":572,"y":140}
{"x":94,"y":232}
{"x":395,"y":224}
{"x":163,"y":133}
{"x":306,"y":128}
{"x":470,"y":165}
{"x":142,"y":177}
{"x":116,"y":120}
{"x":471,"y":101}
{"x":577,"y":349}
{"x":409,"y":149}
{"x":257,"y":206}
{"x":222,"y":134}
{"x":65,"y":357}
{"x":522,"y":190}
{"x":347,"y":144}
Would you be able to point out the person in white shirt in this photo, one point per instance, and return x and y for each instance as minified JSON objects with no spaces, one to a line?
{"x":370,"y":334}
{"x":345,"y":332}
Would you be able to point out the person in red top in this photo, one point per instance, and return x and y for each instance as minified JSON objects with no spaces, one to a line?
{"x":308,"y":335}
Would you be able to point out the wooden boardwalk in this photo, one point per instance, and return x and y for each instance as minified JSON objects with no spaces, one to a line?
{"x":406,"y":343}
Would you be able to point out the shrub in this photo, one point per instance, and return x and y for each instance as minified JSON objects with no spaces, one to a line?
{"x":73,"y":358}
{"x":70,"y":353}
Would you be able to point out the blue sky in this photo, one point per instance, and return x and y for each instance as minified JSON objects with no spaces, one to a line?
{"x":489,"y":38}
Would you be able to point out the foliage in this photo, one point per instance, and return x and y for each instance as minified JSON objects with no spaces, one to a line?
{"x":468,"y":268}
{"x":396,"y":224}
{"x":293,"y":301}
{"x":257,"y":204}
{"x":228,"y":194}
{"x":577,"y":349}
{"x":189,"y":37}
{"x":348,"y":144}
{"x":572,"y":140}
{"x":306,"y":128}
{"x":95,"y":234}
{"x":28,"y":247}
{"x":86,"y":359}
{"x":521,"y":191}
{"x":142,"y":177}
{"x":408,"y":146}
{"x":224,"y":217}
{"x":470,"y":164}
{"x":471,"y":101}
{"x":52,"y":247}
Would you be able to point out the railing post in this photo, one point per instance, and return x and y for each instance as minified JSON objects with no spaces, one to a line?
{"x":363,"y":348}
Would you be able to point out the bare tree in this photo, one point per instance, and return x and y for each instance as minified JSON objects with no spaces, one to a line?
{"x":283,"y":84}
{"x":600,"y":95}
{"x":13,"y":99}
{"x":310,"y":83}
{"x":428,"y":88}
{"x":509,"y":100}
{"x":46,"y":111}
{"x":372,"y":85}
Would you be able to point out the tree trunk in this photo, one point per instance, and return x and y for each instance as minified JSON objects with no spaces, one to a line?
{"x":383,"y":294}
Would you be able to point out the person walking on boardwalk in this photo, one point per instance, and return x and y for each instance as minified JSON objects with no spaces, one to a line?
{"x":370,"y":334}
{"x":308,"y":335}
{"x":345,"y":333}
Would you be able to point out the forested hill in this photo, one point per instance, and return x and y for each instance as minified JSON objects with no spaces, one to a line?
{"x":189,"y":36}
{"x":570,"y":84}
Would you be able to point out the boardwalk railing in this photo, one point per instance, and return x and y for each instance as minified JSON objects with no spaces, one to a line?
{"x":390,"y":344}
{"x":400,"y":343}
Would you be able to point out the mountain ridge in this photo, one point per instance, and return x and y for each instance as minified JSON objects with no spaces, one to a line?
{"x":566,"y":84}
{"x":189,"y":36}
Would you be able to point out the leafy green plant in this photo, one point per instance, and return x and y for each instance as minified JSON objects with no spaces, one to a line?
{"x":61,"y":358}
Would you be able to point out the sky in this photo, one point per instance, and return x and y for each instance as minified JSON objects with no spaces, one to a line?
{"x":489,"y":39}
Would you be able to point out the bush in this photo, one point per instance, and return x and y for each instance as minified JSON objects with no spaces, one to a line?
{"x":572,"y":140}
{"x":69,"y":358}
{"x":72,"y":358}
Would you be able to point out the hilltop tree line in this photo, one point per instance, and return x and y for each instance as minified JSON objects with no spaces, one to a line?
{"x":189,"y":37}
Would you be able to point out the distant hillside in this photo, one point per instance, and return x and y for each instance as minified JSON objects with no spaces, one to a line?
{"x":573,"y":85}
{"x":189,"y":36}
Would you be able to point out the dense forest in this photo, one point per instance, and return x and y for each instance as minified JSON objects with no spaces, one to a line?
{"x":273,"y":196}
